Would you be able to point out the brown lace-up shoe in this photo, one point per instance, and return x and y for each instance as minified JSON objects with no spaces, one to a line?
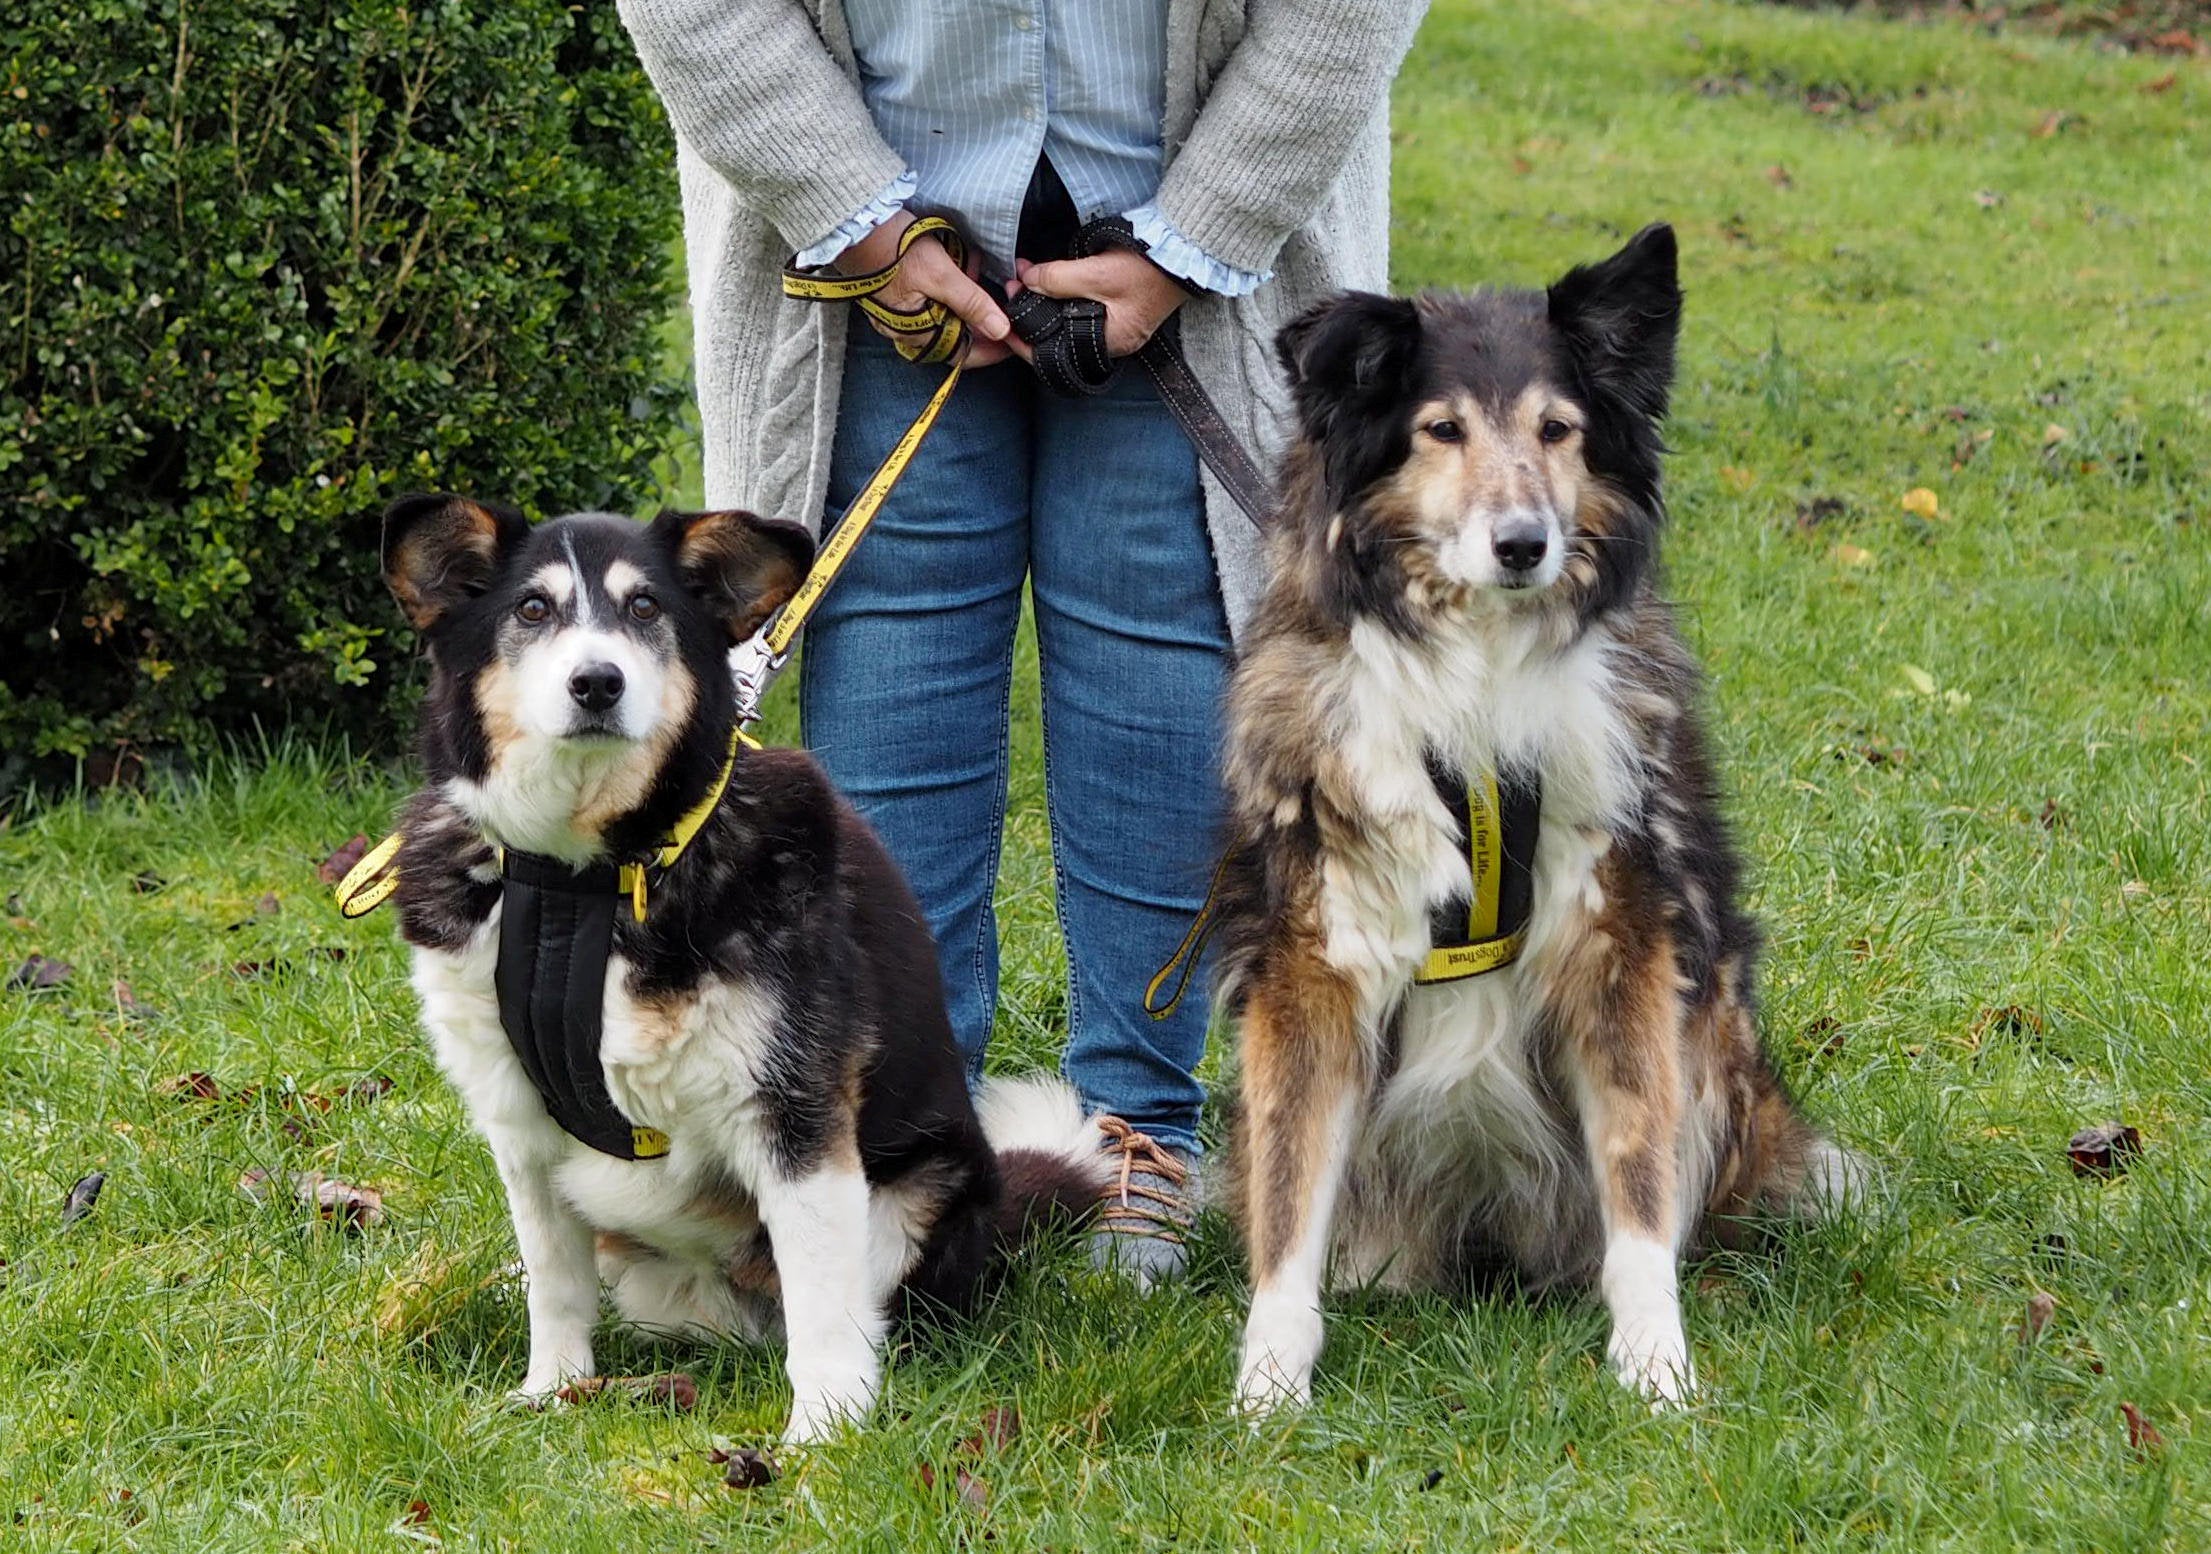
{"x":1151,"y":1203}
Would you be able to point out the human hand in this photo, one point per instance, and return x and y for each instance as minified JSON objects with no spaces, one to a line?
{"x":927,"y":274}
{"x":1138,"y":295}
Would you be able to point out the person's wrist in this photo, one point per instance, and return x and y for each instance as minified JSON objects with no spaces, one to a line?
{"x":876,"y":251}
{"x":1163,"y":292}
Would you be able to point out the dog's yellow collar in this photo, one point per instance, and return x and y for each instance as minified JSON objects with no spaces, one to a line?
{"x":370,"y":883}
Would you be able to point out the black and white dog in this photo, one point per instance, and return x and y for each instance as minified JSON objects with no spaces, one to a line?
{"x":756,"y":1008}
{"x":1495,"y":985}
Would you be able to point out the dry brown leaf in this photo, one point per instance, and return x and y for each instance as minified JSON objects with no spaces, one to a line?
{"x":340,"y":863}
{"x":38,"y":973}
{"x":195,"y":1086}
{"x":340,"y":1202}
{"x":2106,"y":1149}
{"x":672,"y":1389}
{"x":748,"y":1468}
{"x":128,"y":1004}
{"x":2142,"y":1436}
{"x":1817,"y":510}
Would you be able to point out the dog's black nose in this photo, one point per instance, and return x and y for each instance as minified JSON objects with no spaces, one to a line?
{"x":596,"y":687}
{"x":1520,"y":546}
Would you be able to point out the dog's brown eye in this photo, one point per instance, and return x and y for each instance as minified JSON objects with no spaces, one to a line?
{"x":644,"y":607}
{"x":1555,"y":430}
{"x":534,"y":610}
{"x":1445,"y":431}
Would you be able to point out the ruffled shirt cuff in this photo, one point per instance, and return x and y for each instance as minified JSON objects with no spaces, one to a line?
{"x":861,"y":222}
{"x":1184,"y":260}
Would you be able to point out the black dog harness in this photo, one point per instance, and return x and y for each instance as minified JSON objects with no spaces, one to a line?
{"x":556,"y":932}
{"x":1498,"y":823}
{"x":556,"y":935}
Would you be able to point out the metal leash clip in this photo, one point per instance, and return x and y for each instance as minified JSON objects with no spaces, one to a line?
{"x":752,"y":664}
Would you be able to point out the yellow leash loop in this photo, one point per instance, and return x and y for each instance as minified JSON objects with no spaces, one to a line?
{"x":931,"y":333}
{"x":1183,"y":964}
{"x":1486,"y":950}
{"x":369,"y":883}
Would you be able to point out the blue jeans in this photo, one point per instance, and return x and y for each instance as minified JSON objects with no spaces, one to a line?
{"x":905,"y":683}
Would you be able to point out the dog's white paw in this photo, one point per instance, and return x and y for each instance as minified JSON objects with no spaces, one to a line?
{"x":1654,"y":1363}
{"x":1282,"y":1339}
{"x":1264,"y":1385}
{"x":536,"y":1398}
{"x":813,"y":1424}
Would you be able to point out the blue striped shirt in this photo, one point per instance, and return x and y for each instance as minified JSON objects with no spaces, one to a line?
{"x":971,"y":92}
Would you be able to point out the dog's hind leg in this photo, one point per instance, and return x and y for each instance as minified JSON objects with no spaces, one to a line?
{"x":1615,"y":1005}
{"x":1305,"y":1076}
{"x":833,"y":1315}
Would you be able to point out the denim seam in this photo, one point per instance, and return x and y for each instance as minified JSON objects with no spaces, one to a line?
{"x":987,"y":920}
{"x":1059,"y":867}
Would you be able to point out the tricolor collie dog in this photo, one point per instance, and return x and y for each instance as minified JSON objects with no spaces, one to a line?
{"x":1462,"y":690}
{"x":759,"y":1020}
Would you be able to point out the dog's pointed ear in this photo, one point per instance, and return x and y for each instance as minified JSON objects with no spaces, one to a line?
{"x":1351,"y":349}
{"x":1620,"y":318}
{"x":441,"y":550}
{"x":1347,"y":360}
{"x":743,"y":565}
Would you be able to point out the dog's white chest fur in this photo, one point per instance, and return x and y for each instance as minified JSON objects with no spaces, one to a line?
{"x":689,"y":1074}
{"x":1480,"y":698}
{"x":1462,"y":1097}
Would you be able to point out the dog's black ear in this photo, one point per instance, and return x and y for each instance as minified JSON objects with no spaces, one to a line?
{"x":1620,"y":319}
{"x":440,"y":550}
{"x":1347,"y":360}
{"x":743,"y":565}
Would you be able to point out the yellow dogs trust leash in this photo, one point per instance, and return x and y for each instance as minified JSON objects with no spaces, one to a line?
{"x":929,"y":334}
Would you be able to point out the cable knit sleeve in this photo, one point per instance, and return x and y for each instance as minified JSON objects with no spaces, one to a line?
{"x":751,"y":88}
{"x":1279,"y":123}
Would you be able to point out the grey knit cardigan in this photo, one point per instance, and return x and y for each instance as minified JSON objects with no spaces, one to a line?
{"x":1277,"y":141}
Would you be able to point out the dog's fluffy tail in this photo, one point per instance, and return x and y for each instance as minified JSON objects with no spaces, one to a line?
{"x":1049,"y":1162}
{"x":1833,"y":1178}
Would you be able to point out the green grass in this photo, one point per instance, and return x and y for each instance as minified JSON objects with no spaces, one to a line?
{"x":1931,"y":279}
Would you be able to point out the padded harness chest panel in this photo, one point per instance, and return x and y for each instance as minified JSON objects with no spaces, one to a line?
{"x":556,"y":933}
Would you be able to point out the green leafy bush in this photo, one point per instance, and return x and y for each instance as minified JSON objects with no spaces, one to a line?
{"x":264,"y":264}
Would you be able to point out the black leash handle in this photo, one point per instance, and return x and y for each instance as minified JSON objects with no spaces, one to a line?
{"x":1067,"y":339}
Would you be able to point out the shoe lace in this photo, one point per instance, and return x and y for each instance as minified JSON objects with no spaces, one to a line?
{"x":1139,"y":1151}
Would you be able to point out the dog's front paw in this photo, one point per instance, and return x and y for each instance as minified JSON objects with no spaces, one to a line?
{"x":542,"y":1388}
{"x":1282,"y":1340}
{"x":1265,"y":1385}
{"x":1653,"y":1362}
{"x":813,"y":1424}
